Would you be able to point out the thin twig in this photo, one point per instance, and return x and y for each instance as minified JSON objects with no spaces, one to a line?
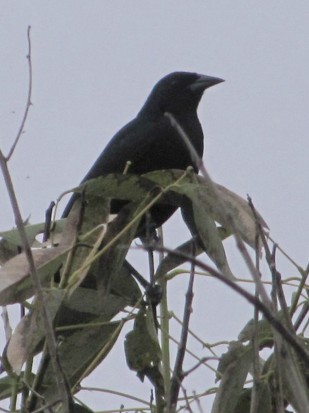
{"x":280,"y":293}
{"x":28,"y":102}
{"x":197,"y":365}
{"x":301,"y":316}
{"x":195,"y":336}
{"x":281,"y":350}
{"x":195,"y":356}
{"x":198,"y":402}
{"x":300,"y":269}
{"x":50,"y":337}
{"x":299,"y":291}
{"x":278,"y":326}
{"x":46,"y":407}
{"x":228,"y":218}
{"x":255,"y":340}
{"x":185,"y":396}
{"x":270,"y":258}
{"x":116,"y":393}
{"x":164,"y":324}
{"x":48,"y":221}
{"x":277,"y":291}
{"x":178,"y":375}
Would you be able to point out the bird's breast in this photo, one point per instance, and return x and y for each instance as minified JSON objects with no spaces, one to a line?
{"x":168,"y":149}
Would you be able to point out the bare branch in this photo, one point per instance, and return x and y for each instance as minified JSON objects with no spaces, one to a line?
{"x":197,"y":365}
{"x":267,"y":313}
{"x":50,"y":337}
{"x":178,"y":374}
{"x":63,"y":388}
{"x":227,"y":216}
{"x":28,"y":102}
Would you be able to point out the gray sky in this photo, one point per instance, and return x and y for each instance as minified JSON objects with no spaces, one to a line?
{"x":94,"y":64}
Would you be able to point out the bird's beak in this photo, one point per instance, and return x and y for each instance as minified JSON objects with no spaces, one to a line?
{"x":203,"y":82}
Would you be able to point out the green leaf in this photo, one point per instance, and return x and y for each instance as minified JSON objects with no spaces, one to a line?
{"x":263,"y":329}
{"x":263,"y":396}
{"x":30,"y":331}
{"x":172,"y":261}
{"x":201,"y":224}
{"x":13,"y":237}
{"x":79,"y":354}
{"x":90,"y":214}
{"x":86,"y":305}
{"x":233,"y":205}
{"x":10,"y":244}
{"x":15,"y":281}
{"x":242,"y":214}
{"x":143,"y":352}
{"x":117,"y":186}
{"x":141,"y":344}
{"x":83,"y":319}
{"x":111,"y":252}
{"x":9,"y":384}
{"x":233,"y":367}
{"x":294,"y":375}
{"x":7,"y":251}
{"x":115,"y":247}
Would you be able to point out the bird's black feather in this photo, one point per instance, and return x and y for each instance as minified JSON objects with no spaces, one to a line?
{"x":149,"y":141}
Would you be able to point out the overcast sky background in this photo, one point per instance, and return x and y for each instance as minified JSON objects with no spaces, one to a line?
{"x":94,"y":64}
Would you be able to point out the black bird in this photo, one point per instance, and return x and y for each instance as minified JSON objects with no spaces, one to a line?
{"x":149,"y":141}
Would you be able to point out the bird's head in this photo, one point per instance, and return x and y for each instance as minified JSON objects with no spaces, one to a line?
{"x":178,"y":92}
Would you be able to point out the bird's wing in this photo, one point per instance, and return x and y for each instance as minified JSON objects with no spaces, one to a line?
{"x":132,"y":143}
